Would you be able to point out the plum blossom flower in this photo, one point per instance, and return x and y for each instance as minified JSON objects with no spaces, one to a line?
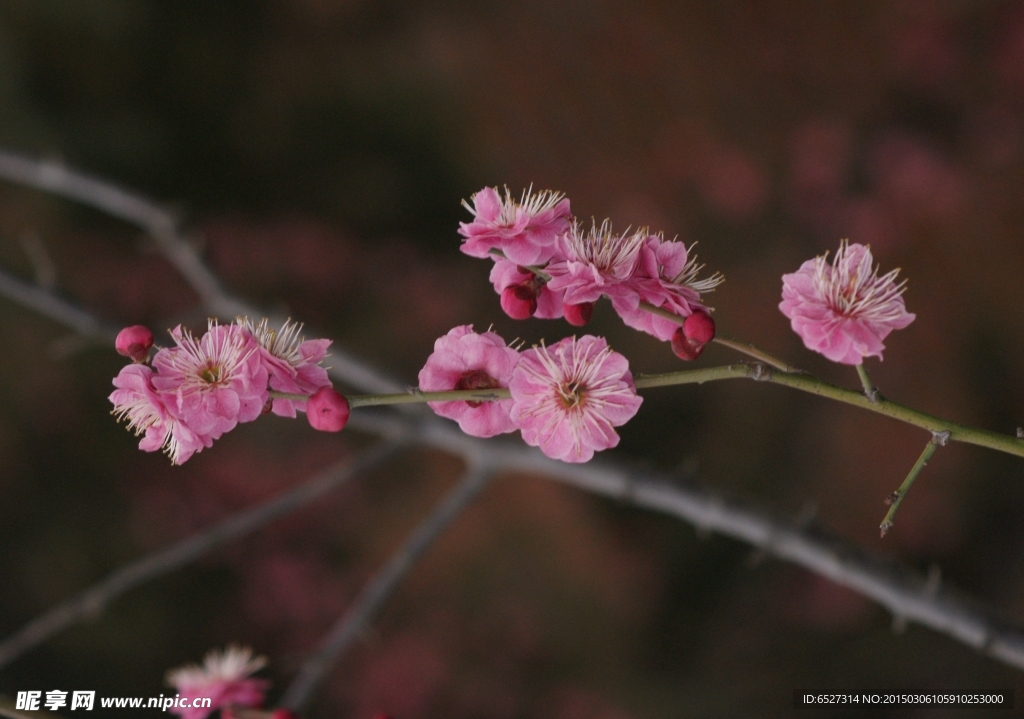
{"x":506,"y":273}
{"x":292,"y":362}
{"x":666,"y":277}
{"x":138,"y":402}
{"x":568,"y":397}
{"x":223,"y":678}
{"x":844,"y":309}
{"x":463,"y":359}
{"x":595,"y":263}
{"x":213,"y":383}
{"x":524,"y":231}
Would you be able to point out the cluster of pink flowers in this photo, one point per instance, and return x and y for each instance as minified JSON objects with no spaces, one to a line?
{"x":194,"y":392}
{"x":565,"y":399}
{"x":547,"y":265}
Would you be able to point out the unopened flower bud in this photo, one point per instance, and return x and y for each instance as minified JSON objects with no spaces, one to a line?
{"x":689,"y":340}
{"x":327,"y":410}
{"x":519,"y":301}
{"x":134,"y":342}
{"x":699,"y":327}
{"x":578,"y":315}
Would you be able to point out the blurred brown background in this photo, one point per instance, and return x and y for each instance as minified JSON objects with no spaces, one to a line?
{"x":319,"y":150}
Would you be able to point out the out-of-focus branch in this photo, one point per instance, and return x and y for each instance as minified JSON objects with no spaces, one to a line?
{"x":382,"y":587}
{"x":56,"y":178}
{"x":50,"y":305}
{"x":903,"y":592}
{"x":92,"y":601}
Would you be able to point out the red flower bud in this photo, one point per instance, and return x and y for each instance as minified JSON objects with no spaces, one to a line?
{"x":327,"y":410}
{"x":134,"y":342}
{"x":699,"y":327}
{"x":686,"y":348}
{"x":519,"y":301}
{"x":578,"y":315}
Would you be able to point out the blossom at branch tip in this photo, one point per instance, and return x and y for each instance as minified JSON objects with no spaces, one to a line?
{"x":223,"y":678}
{"x":464,"y":359}
{"x":568,"y":397}
{"x":507,"y":274}
{"x":596,"y":263}
{"x":666,"y":277}
{"x":843,"y":309}
{"x":137,"y":401}
{"x":213,"y":383}
{"x":524,"y":231}
{"x":292,"y":362}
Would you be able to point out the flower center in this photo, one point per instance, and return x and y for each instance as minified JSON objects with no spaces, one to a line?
{"x":572,"y":394}
{"x":210,"y":374}
{"x":476,"y":379}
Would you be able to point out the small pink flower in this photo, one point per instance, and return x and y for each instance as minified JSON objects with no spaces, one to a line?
{"x":291,"y":361}
{"x":138,"y":402}
{"x":134,"y":342}
{"x":596,"y":263}
{"x":844,"y":309}
{"x":223,"y":679}
{"x":215,"y":382}
{"x":525,"y":231}
{"x":666,"y":277}
{"x":327,"y":410}
{"x":463,"y":359}
{"x":568,"y":397}
{"x":506,"y":273}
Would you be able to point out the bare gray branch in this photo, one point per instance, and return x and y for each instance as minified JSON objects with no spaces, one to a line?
{"x":92,"y":601}
{"x":382,"y":587}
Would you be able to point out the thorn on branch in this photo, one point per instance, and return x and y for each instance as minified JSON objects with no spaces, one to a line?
{"x":891,"y":500}
{"x":760,"y":372}
{"x":1020,"y":433}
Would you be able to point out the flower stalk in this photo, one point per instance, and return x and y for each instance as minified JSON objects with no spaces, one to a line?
{"x":870,"y":391}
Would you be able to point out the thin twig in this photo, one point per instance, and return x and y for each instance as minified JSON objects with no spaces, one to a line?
{"x":92,"y":601}
{"x":893,"y":500}
{"x":382,"y":586}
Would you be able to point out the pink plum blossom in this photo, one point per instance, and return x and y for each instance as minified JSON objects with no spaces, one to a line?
{"x":844,"y":309}
{"x":524,"y":231}
{"x":506,"y":273}
{"x":292,"y":362}
{"x":463,"y":359}
{"x":213,"y":383}
{"x":666,"y":277}
{"x":138,"y":402}
{"x":595,"y":263}
{"x":568,"y":397}
{"x":223,"y":678}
